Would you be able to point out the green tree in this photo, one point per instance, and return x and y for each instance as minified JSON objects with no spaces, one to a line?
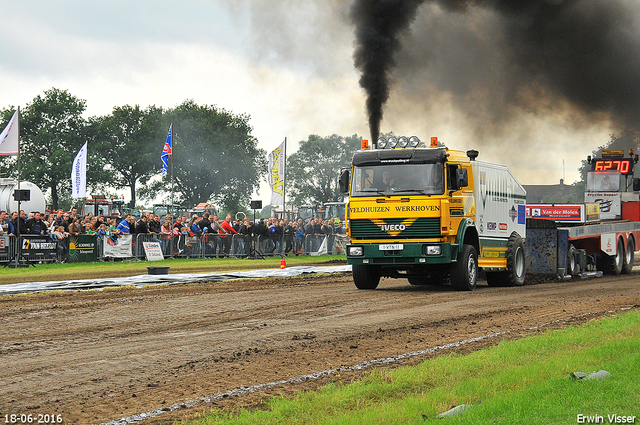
{"x":131,"y":141}
{"x":313,"y":170}
{"x":215,"y":157}
{"x":52,"y":131}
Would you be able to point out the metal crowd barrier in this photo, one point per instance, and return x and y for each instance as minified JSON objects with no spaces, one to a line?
{"x":7,"y":248}
{"x":39,"y":249}
{"x":31,"y":249}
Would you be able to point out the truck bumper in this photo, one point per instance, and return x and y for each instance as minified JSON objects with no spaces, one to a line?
{"x":410,"y":254}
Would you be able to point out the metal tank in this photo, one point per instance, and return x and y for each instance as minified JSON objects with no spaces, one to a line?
{"x":7,"y":203}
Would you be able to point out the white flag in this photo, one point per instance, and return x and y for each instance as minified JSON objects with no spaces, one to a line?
{"x":9,"y":137}
{"x":79,"y":174}
{"x":276,"y":175}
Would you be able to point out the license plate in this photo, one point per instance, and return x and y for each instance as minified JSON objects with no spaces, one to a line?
{"x":391,"y":247}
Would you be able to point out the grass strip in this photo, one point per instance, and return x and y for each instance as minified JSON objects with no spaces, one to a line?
{"x":521,"y":381}
{"x":51,"y":272}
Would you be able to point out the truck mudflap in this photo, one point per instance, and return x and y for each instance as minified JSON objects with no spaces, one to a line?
{"x":403,"y":253}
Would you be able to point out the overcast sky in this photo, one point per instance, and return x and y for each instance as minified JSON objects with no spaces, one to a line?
{"x":288,"y":64}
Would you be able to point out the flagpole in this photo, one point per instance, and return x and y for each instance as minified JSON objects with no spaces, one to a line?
{"x":17,"y":229}
{"x":284,"y":182}
{"x":284,"y":198}
{"x":172,"y":137}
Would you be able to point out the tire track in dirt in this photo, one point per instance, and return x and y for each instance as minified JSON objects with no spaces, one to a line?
{"x":98,"y":356}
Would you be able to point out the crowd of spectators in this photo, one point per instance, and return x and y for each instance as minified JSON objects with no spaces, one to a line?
{"x":275,"y":236}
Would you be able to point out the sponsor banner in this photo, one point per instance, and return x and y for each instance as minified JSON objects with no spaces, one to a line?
{"x":117,"y":247}
{"x":277,"y":163}
{"x":567,"y":213}
{"x":4,"y":246}
{"x":152,"y":251}
{"x":82,"y":248}
{"x":38,"y":248}
{"x":79,"y":174}
{"x":556,"y":212}
{"x":608,"y":243}
{"x":610,"y":205}
{"x":392,"y":209}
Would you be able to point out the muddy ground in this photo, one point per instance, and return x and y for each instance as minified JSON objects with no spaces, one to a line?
{"x":98,"y":356}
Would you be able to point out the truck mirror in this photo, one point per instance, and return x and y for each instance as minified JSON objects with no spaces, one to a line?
{"x":636,"y":184}
{"x":462,"y":178}
{"x":344,"y":181}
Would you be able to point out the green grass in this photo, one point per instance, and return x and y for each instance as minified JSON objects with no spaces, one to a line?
{"x":46,"y":272}
{"x":522,"y":381}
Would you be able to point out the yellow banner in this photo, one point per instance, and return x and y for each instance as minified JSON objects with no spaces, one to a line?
{"x":394,"y":208}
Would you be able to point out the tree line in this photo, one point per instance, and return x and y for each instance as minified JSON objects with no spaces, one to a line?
{"x":215,"y":157}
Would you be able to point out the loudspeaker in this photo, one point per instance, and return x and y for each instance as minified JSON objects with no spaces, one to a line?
{"x":22,"y":195}
{"x":256,"y":205}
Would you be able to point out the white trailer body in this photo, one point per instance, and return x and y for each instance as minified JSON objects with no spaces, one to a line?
{"x":500,"y":201}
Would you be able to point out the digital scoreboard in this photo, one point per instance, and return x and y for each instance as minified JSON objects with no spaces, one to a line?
{"x":614,"y":160}
{"x":625,"y":166}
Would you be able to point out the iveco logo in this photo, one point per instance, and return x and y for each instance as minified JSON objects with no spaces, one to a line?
{"x":393,"y":227}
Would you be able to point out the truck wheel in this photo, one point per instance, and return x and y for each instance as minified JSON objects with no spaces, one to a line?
{"x":516,"y":265}
{"x":516,"y":261}
{"x":629,"y":254}
{"x":613,"y":265}
{"x":464,"y":273}
{"x":365,"y":277}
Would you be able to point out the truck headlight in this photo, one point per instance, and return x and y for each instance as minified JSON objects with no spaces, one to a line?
{"x":434,"y":249}
{"x":356,"y":251}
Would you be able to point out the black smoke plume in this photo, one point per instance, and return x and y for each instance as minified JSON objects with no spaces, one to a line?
{"x":494,"y":57}
{"x":379,"y":23}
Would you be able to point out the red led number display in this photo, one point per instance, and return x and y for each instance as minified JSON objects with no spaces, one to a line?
{"x":615,"y":165}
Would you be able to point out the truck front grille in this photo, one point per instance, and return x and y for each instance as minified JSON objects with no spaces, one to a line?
{"x":420,"y":229}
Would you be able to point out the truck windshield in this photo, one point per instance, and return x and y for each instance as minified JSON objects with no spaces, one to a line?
{"x":397,"y":179}
{"x":334,"y":210}
{"x":603,"y":181}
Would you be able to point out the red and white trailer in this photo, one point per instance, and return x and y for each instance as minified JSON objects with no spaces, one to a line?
{"x":600,"y":235}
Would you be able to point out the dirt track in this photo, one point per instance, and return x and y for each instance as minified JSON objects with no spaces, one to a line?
{"x":99,"y":356}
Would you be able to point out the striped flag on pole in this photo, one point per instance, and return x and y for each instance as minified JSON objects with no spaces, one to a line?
{"x":9,"y":137}
{"x":166,"y":151}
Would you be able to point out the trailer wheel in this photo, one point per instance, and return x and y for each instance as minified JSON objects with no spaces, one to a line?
{"x":464,"y":273}
{"x":573,"y":267}
{"x":629,"y":255}
{"x":365,"y":277}
{"x":613,"y":265}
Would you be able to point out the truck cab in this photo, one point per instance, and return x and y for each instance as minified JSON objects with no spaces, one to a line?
{"x":100,"y":205}
{"x":430,"y":213}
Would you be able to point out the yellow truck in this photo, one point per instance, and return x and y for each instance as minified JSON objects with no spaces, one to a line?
{"x":428,"y":214}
